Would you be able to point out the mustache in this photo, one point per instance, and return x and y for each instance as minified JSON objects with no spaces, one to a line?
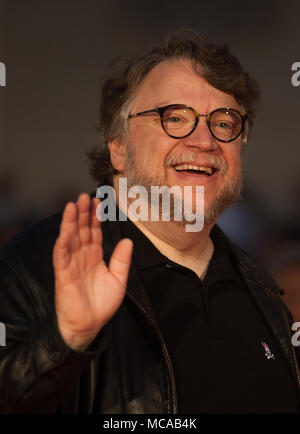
{"x":191,"y":157}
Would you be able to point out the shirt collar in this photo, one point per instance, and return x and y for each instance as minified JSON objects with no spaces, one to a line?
{"x":146,"y":255}
{"x":221,"y":266}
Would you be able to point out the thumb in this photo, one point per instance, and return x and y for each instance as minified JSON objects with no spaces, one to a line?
{"x":120,"y":260}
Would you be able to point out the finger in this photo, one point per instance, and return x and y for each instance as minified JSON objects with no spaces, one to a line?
{"x":120,"y":260}
{"x":69,"y":225}
{"x":96,"y":232}
{"x":61,"y":252}
{"x":83,"y":207}
{"x":69,"y":219}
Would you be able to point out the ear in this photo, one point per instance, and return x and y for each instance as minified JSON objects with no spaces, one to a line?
{"x":245,"y":135}
{"x":117,"y":149}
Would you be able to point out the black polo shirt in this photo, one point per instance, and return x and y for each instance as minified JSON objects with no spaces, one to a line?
{"x":223,"y":355}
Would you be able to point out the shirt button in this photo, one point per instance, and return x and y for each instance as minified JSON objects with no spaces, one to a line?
{"x":169,"y":266}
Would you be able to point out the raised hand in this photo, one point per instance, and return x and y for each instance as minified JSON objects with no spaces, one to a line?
{"x":87,"y":292}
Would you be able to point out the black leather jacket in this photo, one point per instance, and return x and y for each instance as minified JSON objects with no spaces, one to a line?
{"x":127,"y":368}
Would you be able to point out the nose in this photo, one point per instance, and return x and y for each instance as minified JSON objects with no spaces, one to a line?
{"x":201,"y":137}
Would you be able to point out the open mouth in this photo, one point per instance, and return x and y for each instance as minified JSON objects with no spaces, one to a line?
{"x":191,"y":168}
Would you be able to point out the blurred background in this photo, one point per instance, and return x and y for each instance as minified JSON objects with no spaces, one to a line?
{"x":56,"y":55}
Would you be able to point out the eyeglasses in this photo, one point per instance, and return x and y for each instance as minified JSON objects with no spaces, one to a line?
{"x":179,"y":121}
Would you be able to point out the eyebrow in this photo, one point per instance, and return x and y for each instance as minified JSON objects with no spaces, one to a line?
{"x":163,"y":103}
{"x":160,"y":104}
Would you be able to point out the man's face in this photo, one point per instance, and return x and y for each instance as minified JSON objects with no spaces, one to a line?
{"x":151,"y":155}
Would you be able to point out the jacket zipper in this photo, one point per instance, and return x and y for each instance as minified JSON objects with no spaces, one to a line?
{"x":293,"y":349}
{"x":165,"y":351}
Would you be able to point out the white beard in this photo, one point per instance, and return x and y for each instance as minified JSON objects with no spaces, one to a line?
{"x":228,"y":195}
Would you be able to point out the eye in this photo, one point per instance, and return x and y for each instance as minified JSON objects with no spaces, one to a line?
{"x":173,"y":120}
{"x":224,"y":125}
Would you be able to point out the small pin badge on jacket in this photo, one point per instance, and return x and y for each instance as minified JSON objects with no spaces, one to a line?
{"x":268,"y":353}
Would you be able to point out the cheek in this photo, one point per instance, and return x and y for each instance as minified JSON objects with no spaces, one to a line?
{"x":150,"y":152}
{"x":233,"y":160}
{"x":151,"y":146}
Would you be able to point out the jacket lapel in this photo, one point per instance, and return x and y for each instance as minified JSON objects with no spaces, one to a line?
{"x":265,"y":292}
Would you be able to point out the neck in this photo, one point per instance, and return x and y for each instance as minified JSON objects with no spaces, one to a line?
{"x":192,"y":250}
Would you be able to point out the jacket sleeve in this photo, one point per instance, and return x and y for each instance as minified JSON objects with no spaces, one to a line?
{"x":37,"y":368}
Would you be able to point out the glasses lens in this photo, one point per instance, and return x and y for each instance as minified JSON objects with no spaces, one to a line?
{"x":225,"y":124}
{"x":178,"y":121}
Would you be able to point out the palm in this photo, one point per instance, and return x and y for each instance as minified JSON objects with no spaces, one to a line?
{"x":88,"y":292}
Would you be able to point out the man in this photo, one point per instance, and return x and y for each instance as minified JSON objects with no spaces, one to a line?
{"x":144,"y":316}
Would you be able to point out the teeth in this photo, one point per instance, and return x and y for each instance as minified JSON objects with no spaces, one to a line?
{"x":208,"y":170}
